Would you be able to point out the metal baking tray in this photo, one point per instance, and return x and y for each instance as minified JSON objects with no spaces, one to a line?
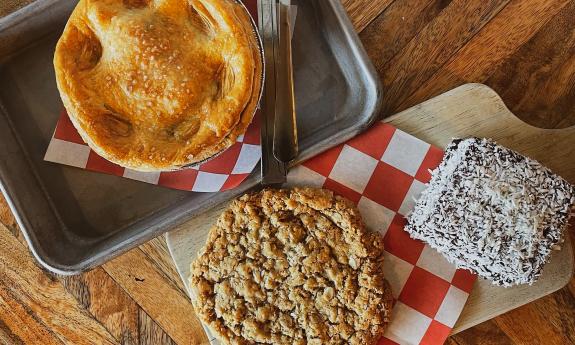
{"x":74,"y":219}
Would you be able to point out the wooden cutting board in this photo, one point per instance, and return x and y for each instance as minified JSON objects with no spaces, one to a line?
{"x":469,"y":110}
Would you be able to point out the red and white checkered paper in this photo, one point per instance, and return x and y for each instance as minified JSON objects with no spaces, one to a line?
{"x":383,"y":171}
{"x":223,"y":172}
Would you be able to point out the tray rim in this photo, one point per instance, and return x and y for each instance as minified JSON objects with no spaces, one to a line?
{"x":369,"y":79}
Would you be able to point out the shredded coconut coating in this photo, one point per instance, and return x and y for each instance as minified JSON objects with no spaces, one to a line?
{"x":292,"y":267}
{"x":493,"y":211}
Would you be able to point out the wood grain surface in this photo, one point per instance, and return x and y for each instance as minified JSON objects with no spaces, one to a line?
{"x":523,"y":49}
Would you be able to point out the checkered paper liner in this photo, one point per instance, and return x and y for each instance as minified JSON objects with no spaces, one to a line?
{"x":383,"y":171}
{"x":226,"y":171}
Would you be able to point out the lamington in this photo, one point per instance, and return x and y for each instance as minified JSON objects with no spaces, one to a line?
{"x":495,"y":212}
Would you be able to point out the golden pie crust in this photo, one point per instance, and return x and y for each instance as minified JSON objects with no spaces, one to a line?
{"x":157,"y":85}
{"x":292,"y":267}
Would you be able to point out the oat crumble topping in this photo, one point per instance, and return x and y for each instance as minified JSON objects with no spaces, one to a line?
{"x":292,"y":267}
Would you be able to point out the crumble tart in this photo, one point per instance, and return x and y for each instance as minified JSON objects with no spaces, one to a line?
{"x":292,"y":267}
{"x":156,"y":85}
{"x":493,"y":211}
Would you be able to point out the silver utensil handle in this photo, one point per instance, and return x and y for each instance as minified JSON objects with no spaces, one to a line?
{"x":285,"y":144}
{"x":273,"y":172}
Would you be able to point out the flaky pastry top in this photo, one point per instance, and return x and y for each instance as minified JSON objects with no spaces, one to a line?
{"x":159,"y":84}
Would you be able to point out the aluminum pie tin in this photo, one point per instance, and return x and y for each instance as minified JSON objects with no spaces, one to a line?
{"x":258,"y":93}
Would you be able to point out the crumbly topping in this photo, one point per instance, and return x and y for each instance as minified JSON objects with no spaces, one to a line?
{"x":493,"y":211}
{"x":292,"y":267}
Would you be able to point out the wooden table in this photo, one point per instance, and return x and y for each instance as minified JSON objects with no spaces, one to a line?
{"x":523,"y":49}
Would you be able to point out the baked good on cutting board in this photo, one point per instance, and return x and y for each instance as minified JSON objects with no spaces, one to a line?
{"x":493,"y":211}
{"x":292,"y":267}
{"x":157,"y":85}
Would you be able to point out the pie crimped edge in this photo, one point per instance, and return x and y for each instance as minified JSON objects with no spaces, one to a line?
{"x":121,"y":108}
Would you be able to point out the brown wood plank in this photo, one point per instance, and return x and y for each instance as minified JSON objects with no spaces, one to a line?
{"x":159,"y":298}
{"x":432,"y":47}
{"x":496,"y":42}
{"x":107,"y":302}
{"x":8,"y":220}
{"x":550,"y":320}
{"x":157,"y":252}
{"x":387,"y":34}
{"x":33,"y":304}
{"x":486,"y":333}
{"x":151,"y":333}
{"x":362,"y":12}
{"x":538,"y":80}
{"x":103,"y":298}
{"x":6,"y":216}
{"x":553,"y":314}
{"x":536,"y":331}
{"x":20,"y":321}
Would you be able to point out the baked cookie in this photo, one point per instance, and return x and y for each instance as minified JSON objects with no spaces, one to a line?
{"x":292,"y":267}
{"x":158,"y":85}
